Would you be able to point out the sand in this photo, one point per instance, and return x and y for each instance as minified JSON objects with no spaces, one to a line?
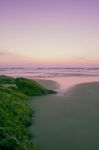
{"x":68,"y":122}
{"x":49,"y":84}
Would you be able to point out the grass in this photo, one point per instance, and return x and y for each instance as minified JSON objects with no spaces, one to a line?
{"x":6,"y":80}
{"x":15,"y":113}
{"x":32,"y":88}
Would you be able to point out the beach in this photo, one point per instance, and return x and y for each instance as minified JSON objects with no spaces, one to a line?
{"x":49,"y":75}
{"x":69,"y":121}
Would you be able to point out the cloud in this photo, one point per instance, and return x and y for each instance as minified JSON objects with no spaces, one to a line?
{"x":4,"y":52}
{"x":81,"y":58}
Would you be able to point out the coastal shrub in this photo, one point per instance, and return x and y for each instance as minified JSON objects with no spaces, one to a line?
{"x":6,"y":80}
{"x":15,"y":116}
{"x":31,"y":87}
{"x":15,"y":113}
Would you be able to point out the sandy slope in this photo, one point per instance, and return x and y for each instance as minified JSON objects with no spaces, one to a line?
{"x":69,"y":122}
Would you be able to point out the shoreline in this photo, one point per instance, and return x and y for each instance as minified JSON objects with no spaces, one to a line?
{"x":57,"y":117}
{"x":60,"y":88}
{"x":70,"y":121}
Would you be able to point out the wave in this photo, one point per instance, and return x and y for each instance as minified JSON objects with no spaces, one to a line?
{"x":52,"y":72}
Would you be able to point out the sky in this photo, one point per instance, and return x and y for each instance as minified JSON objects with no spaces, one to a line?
{"x":49,"y":33}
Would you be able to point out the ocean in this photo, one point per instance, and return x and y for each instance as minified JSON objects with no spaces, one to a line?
{"x":51,"y":72}
{"x":66,"y":77}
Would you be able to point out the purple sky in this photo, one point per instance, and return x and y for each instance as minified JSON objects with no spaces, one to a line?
{"x":52,"y":32}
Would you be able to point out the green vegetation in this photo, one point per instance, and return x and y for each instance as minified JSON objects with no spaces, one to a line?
{"x":15,"y":113}
{"x":6,"y":80}
{"x":32,"y":88}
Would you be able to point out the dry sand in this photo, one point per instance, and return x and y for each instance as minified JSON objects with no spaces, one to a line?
{"x":69,"y":122}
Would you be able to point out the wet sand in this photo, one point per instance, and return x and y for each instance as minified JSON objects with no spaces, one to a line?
{"x":68,"y":122}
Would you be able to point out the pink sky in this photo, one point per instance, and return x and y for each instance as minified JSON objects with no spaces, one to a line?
{"x":49,"y":33}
